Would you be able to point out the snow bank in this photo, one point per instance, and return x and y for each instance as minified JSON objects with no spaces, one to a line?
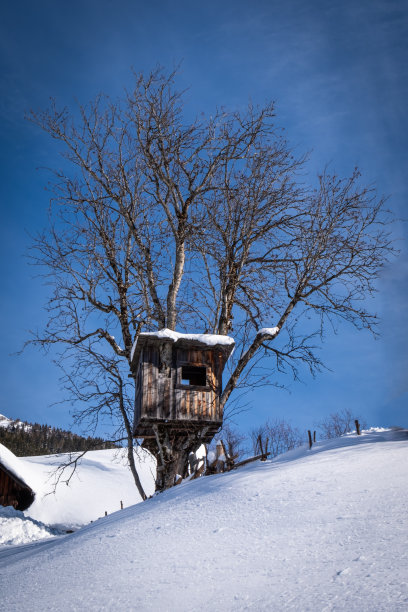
{"x":206,"y":339}
{"x":323,"y":529}
{"x":18,"y":467}
{"x":16,"y":528}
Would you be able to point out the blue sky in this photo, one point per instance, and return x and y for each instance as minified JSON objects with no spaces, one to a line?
{"x":338,"y":74}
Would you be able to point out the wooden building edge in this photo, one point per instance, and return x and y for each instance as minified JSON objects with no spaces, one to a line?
{"x":13,"y":490}
{"x":207,"y":428}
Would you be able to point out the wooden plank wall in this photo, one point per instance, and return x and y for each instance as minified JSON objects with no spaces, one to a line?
{"x":7,"y":497}
{"x":159,"y":397}
{"x":194,"y":404}
{"x":157,"y":386}
{"x":12,"y":493}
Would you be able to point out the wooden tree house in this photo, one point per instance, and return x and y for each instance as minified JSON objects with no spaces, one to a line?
{"x":178,"y":386}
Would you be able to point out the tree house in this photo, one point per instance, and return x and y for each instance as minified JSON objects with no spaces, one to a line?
{"x":178,"y":384}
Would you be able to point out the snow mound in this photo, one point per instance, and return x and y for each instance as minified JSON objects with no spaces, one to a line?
{"x":16,"y":528}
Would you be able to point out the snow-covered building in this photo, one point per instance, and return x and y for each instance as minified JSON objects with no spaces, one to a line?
{"x":14,"y":490}
{"x":178,"y":381}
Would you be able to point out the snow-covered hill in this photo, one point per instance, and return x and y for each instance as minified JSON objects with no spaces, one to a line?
{"x":313,"y":530}
{"x":100,"y":483}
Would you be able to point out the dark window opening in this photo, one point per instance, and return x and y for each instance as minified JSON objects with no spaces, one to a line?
{"x":194,"y":376}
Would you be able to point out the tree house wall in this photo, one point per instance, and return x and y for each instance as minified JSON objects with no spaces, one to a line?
{"x":194,"y":403}
{"x":162,"y":397}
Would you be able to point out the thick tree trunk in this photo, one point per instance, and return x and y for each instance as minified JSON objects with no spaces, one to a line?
{"x":171,"y":449}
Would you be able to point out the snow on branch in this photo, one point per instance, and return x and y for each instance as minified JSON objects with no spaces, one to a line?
{"x":268,"y":331}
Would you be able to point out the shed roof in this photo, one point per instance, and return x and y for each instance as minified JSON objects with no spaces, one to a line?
{"x":225,"y":343}
{"x":19,"y":494}
{"x":14,"y":466}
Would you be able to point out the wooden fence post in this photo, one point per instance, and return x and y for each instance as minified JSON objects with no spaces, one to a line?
{"x":309,"y":433}
{"x":357,"y":427}
{"x":121,"y":504}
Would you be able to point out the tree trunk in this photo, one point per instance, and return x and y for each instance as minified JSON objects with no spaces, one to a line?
{"x":132,"y":465}
{"x":130,"y":443}
{"x":175,"y":284}
{"x":171,"y":448}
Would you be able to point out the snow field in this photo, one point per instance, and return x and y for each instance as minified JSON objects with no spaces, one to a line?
{"x":100,"y":483}
{"x":312,"y":530}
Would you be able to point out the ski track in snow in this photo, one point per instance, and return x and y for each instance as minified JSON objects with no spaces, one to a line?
{"x":319,"y":530}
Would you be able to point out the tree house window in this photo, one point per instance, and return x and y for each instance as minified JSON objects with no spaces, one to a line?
{"x":193,"y":376}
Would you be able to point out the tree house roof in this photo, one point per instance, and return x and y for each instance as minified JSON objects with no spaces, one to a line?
{"x":194,"y":341}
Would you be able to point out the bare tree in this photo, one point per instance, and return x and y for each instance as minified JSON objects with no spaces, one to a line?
{"x":339,"y":423}
{"x":233,"y":442}
{"x":275,"y":437}
{"x":88,"y":254}
{"x":205,"y":226}
{"x":301,"y":265}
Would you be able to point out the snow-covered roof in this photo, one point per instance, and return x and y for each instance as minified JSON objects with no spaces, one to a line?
{"x":173,"y":336}
{"x":14,"y":465}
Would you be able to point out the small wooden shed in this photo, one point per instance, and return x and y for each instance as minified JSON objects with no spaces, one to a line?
{"x":179,"y":381}
{"x":14,"y":491}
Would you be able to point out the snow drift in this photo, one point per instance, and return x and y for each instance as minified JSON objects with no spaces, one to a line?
{"x":17,"y":528}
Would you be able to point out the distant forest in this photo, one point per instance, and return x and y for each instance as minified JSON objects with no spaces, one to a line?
{"x":28,"y":439}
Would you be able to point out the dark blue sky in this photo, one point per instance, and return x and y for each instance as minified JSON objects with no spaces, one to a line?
{"x":338,"y":73}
